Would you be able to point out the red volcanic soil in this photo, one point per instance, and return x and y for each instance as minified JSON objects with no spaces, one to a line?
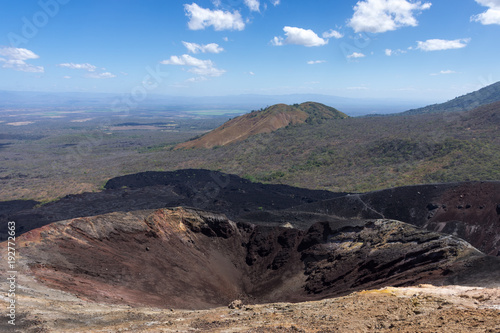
{"x":265,"y":121}
{"x":240,"y":128}
{"x":193,"y":259}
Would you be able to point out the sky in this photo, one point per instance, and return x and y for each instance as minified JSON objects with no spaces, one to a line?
{"x":394,"y":49}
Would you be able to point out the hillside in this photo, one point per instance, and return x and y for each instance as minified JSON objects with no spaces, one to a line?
{"x":363,"y":154}
{"x":240,"y":244}
{"x":486,"y":95}
{"x":351,"y":155}
{"x":265,"y":121}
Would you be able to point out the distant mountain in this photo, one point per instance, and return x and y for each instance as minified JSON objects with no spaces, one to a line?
{"x":243,"y":102}
{"x":486,"y":95}
{"x":264,"y":121}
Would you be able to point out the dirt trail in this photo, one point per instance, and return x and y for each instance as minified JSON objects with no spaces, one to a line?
{"x":422,"y":308}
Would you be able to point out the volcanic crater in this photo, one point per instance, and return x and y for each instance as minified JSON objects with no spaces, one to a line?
{"x":134,"y":244}
{"x":193,"y":259}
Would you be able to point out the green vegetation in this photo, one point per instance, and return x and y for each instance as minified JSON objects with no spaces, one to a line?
{"x":362,"y":154}
{"x":352,"y":154}
{"x":319,"y":113}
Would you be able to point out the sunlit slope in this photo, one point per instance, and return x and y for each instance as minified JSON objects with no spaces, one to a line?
{"x":265,"y":121}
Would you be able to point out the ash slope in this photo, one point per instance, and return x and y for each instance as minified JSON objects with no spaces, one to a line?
{"x":140,"y":193}
{"x":188,"y":258}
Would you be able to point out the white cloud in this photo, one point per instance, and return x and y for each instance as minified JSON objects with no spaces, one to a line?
{"x":441,"y":44}
{"x":299,"y":36}
{"x":89,"y":68}
{"x":491,"y":16}
{"x":200,"y":67}
{"x":15,"y":58}
{"x":251,"y":73}
{"x":275,"y":2}
{"x":356,"y":55}
{"x":277,"y":41}
{"x":86,"y":66}
{"x":187,"y":60}
{"x":389,"y":52}
{"x":67,"y":77}
{"x":207,"y":71}
{"x":253,"y":5}
{"x":197,"y":79}
{"x":201,"y":18}
{"x":105,"y":75}
{"x":385,"y":15}
{"x":208,"y":48}
{"x":332,"y":34}
{"x":314,"y":62}
{"x":444,"y":72}
{"x":18,"y":53}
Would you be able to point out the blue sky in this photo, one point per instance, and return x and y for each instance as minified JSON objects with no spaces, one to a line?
{"x":402,"y":49}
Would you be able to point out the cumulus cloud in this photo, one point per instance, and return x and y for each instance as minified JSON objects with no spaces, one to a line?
{"x":15,"y":58}
{"x":186,"y":60}
{"x":253,"y":5}
{"x":201,"y":18}
{"x":356,"y":55}
{"x":332,"y":34}
{"x":491,"y":16}
{"x":378,"y":16}
{"x":442,"y":44}
{"x":299,"y":36}
{"x":105,"y":75}
{"x":208,"y":48}
{"x":86,"y":66}
{"x":314,"y":62}
{"x":198,"y":66}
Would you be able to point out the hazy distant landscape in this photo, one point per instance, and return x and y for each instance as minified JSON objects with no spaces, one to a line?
{"x":85,"y":147}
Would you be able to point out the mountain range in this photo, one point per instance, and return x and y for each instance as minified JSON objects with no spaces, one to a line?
{"x":239,"y":103}
{"x":351,"y":106}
